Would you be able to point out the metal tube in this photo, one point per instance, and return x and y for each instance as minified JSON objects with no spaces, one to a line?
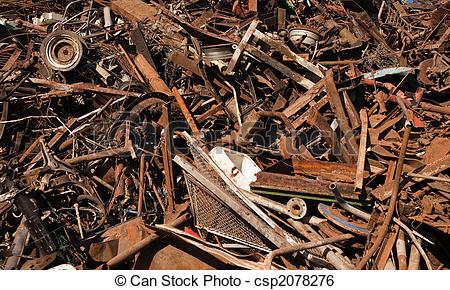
{"x":107,"y":16}
{"x":273,"y":205}
{"x":238,"y":112}
{"x":414,"y":258}
{"x":401,"y":251}
{"x":334,"y":258}
{"x":20,"y":241}
{"x":428,"y":177}
{"x":416,"y":242}
{"x":102,"y":182}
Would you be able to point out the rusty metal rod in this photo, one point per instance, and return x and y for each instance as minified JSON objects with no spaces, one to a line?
{"x":81,"y":87}
{"x":434,"y":108}
{"x":151,"y":75}
{"x":155,"y":190}
{"x":141,"y":245}
{"x":305,"y":246}
{"x":186,"y":113}
{"x":100,"y":155}
{"x":273,"y":205}
{"x":362,"y":151}
{"x":392,"y":202}
{"x":141,"y":184}
{"x":23,"y":23}
{"x":102,"y":182}
{"x":436,"y":178}
{"x":336,"y":259}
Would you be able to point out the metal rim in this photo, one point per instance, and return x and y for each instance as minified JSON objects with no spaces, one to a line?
{"x":63,"y":51}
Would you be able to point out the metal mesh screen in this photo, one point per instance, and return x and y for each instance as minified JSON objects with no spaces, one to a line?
{"x":213,"y":216}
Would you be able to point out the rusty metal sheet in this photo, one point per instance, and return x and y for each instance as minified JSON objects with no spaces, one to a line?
{"x":303,"y":186}
{"x":332,"y":171}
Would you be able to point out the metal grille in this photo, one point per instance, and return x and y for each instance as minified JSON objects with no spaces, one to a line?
{"x":215,"y":217}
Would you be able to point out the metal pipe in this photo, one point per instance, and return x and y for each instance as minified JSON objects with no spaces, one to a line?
{"x":434,"y":108}
{"x":416,"y":242}
{"x":273,"y":205}
{"x":107,"y":16}
{"x":20,"y":241}
{"x":414,"y":258}
{"x":141,"y":245}
{"x":392,"y":203}
{"x":336,"y":259}
{"x":39,"y":233}
{"x":102,"y":182}
{"x":400,"y":246}
{"x":238,"y":112}
{"x":305,"y":246}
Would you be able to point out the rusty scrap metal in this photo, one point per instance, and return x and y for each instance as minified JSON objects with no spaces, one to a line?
{"x":333,"y":116}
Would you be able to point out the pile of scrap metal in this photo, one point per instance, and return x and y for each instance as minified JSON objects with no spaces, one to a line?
{"x":197,"y":134}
